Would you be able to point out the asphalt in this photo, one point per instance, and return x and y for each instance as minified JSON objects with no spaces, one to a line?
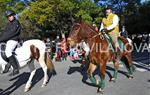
{"x":68,"y":81}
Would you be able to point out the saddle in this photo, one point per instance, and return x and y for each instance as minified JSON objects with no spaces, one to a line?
{"x":112,"y":45}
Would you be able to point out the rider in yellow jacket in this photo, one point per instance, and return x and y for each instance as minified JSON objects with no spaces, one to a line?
{"x":110,"y":25}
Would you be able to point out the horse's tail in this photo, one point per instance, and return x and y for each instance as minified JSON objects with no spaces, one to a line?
{"x":49,"y":63}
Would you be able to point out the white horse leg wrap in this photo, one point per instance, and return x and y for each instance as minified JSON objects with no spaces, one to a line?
{"x":45,"y":76}
{"x":28,"y":84}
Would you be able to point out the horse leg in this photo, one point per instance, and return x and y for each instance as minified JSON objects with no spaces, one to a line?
{"x":129,"y":64}
{"x":116,"y":67}
{"x":33,"y":71}
{"x":90,"y":71}
{"x":101,"y":85}
{"x":44,"y":67}
{"x":130,"y":68}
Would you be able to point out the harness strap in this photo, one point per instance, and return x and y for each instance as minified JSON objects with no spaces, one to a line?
{"x":97,"y":35}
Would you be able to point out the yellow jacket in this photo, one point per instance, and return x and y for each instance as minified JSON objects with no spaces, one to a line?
{"x":111,"y":23}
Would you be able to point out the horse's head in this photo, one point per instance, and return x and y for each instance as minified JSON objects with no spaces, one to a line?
{"x":80,"y":31}
{"x":74,"y":34}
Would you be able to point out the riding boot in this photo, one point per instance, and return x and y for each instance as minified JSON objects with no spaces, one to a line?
{"x":7,"y":67}
{"x":13,"y":61}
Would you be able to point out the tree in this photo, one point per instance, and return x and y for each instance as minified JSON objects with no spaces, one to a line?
{"x":139,"y":22}
{"x":3,"y":7}
{"x":54,"y":15}
{"x":16,"y":5}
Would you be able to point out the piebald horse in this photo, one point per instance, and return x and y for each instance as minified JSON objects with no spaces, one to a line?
{"x":32,"y":51}
{"x":99,"y":54}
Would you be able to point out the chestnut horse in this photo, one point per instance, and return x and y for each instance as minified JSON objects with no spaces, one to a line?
{"x":100,"y":53}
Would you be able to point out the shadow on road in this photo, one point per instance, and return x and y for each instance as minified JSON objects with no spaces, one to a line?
{"x":82,"y":71}
{"x":141,"y":59}
{"x":119,"y":71}
{"x":22,"y":79}
{"x":1,"y":90}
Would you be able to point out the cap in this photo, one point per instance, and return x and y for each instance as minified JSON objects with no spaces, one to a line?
{"x":9,"y":13}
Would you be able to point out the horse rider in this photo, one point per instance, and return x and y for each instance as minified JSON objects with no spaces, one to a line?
{"x":11,"y":36}
{"x":110,"y":25}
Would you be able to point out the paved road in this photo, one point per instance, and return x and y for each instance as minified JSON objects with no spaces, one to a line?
{"x":68,"y":81}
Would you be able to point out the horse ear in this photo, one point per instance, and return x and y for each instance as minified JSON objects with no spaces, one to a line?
{"x":72,"y":20}
{"x":76,"y":19}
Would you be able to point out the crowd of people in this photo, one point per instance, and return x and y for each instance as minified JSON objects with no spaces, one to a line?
{"x":60,"y":51}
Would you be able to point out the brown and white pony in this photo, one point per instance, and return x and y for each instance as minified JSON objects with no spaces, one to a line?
{"x":99,"y":54}
{"x":32,"y":51}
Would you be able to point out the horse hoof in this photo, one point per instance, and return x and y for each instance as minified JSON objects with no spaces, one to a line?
{"x":112,"y":80}
{"x":43,"y":85}
{"x":130,"y":77}
{"x":26,"y":89}
{"x":101,"y":91}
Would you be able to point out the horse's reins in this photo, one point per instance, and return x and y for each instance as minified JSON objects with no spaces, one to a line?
{"x":88,"y":37}
{"x":97,"y":35}
{"x":100,"y":33}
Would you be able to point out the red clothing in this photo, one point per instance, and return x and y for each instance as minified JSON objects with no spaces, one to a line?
{"x":63,"y":47}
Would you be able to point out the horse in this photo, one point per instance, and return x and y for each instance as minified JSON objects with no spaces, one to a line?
{"x":100,"y":53}
{"x":31,"y":52}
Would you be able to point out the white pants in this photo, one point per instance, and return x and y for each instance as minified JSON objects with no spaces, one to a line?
{"x":10,"y":46}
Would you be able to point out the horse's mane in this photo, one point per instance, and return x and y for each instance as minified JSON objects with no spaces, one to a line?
{"x":87,"y":31}
{"x":88,"y":27}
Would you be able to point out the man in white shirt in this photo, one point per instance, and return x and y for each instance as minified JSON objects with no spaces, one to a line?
{"x":110,"y":25}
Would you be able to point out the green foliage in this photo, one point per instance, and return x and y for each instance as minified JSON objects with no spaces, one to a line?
{"x":54,"y":15}
{"x":20,"y":6}
{"x":89,"y":10}
{"x":3,"y":7}
{"x":40,"y":17}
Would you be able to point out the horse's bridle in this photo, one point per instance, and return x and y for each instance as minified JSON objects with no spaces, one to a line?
{"x":90,"y":37}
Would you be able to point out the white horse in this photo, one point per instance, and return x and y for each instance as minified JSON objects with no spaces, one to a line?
{"x":32,"y":51}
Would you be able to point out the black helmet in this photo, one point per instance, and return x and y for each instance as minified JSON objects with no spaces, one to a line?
{"x":9,"y":13}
